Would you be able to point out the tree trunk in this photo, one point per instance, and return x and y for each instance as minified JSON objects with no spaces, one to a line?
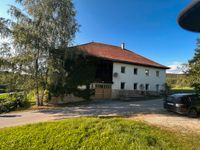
{"x":36,"y":80}
{"x":37,"y":97}
{"x":44,"y":88}
{"x":42,"y":97}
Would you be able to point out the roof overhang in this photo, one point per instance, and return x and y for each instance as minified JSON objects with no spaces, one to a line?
{"x":131,"y":63}
{"x":189,"y":19}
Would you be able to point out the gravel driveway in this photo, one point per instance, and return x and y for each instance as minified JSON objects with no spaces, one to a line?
{"x":150,"y":111}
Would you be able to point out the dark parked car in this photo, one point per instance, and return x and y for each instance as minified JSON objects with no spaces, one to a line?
{"x":185,"y":103}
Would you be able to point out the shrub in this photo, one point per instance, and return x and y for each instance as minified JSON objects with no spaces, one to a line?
{"x":47,"y":96}
{"x":9,"y":102}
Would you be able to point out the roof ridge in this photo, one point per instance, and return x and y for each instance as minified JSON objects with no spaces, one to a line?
{"x":83,"y":44}
{"x":105,"y":44}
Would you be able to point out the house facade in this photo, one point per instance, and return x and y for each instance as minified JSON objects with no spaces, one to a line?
{"x":131,"y":80}
{"x":122,"y":73}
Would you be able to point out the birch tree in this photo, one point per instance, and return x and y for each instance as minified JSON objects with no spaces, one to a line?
{"x":41,"y":31}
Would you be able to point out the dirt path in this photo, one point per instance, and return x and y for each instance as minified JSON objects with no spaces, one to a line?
{"x":171,"y":121}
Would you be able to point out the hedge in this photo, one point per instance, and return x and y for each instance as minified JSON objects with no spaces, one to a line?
{"x":11,"y":101}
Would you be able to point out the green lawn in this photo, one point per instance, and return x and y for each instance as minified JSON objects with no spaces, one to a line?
{"x":94,"y":133}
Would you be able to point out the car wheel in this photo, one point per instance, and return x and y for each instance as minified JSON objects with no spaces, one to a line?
{"x":193,"y":113}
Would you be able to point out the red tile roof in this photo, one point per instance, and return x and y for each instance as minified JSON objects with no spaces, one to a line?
{"x":117,"y":54}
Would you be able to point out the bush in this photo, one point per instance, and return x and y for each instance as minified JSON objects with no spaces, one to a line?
{"x":47,"y":96}
{"x":182,"y":90}
{"x":9,"y":102}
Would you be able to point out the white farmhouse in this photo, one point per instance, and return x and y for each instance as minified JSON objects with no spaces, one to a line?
{"x":123,"y":73}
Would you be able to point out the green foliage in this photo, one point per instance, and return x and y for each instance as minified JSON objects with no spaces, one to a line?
{"x":40,"y":35}
{"x":9,"y":102}
{"x":4,"y":96}
{"x":81,"y":70}
{"x":93,"y":133}
{"x":46,"y":96}
{"x":194,"y":69}
{"x":177,"y":80}
{"x":31,"y":96}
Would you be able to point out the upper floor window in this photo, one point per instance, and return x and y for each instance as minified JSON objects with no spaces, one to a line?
{"x":146,"y":72}
{"x":123,"y":69}
{"x":135,"y":71}
{"x":157,"y":73}
{"x":122,"y":85}
{"x":146,"y":87}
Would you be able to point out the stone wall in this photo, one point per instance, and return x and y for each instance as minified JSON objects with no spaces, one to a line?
{"x":118,"y":94}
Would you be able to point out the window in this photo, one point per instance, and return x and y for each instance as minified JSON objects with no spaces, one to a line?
{"x":122,"y":85}
{"x":157,"y":73}
{"x":146,"y":87}
{"x":157,"y":87}
{"x":135,"y":71}
{"x":135,"y":86}
{"x":146,"y":72}
{"x":123,"y":69}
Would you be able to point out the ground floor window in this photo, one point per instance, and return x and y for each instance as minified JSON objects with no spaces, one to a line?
{"x":135,"y":86}
{"x":122,"y":85}
{"x":157,"y":87}
{"x":146,"y":87}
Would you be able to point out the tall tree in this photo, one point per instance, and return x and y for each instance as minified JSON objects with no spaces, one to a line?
{"x":43,"y":30}
{"x":194,"y":68}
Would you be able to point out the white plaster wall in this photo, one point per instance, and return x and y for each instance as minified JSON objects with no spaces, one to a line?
{"x":129,"y":78}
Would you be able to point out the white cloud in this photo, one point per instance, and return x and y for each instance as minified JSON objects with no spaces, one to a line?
{"x":175,"y":67}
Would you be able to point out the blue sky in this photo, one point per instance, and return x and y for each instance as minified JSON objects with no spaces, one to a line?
{"x":148,"y":27}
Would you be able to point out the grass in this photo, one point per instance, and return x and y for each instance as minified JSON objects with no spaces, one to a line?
{"x":95,"y":133}
{"x":4,"y":95}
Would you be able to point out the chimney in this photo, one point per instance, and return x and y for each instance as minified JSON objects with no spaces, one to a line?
{"x":123,"y":46}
